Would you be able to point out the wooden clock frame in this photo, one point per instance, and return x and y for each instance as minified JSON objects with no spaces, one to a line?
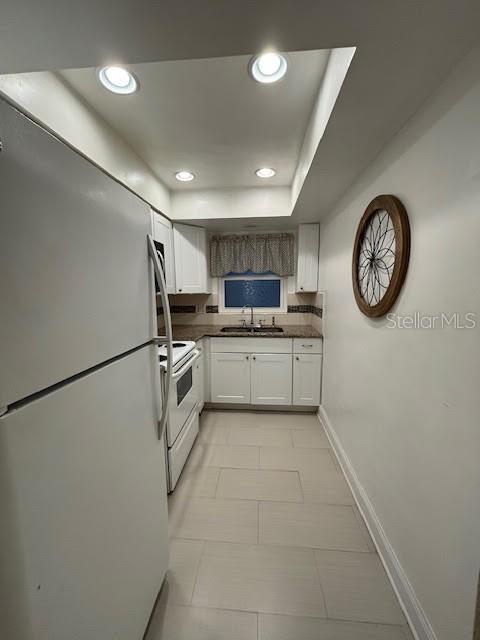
{"x":401,"y":226}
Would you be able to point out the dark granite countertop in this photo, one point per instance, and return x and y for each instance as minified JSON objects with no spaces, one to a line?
{"x":196,"y":332}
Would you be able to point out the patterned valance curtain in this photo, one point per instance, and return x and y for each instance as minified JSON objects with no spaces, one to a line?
{"x":259,"y":252}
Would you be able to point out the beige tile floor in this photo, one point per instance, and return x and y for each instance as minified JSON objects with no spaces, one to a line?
{"x":266,"y":542}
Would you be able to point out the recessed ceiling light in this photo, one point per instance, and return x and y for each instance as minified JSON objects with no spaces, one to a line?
{"x":268,"y":67}
{"x":118,"y":80}
{"x":265,"y":172}
{"x":184,"y":176}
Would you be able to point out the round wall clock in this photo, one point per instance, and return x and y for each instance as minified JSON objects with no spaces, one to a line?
{"x":380,"y":255}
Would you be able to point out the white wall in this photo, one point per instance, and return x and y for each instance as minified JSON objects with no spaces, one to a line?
{"x":48,"y":99}
{"x":252,"y":202}
{"x":405,"y":404}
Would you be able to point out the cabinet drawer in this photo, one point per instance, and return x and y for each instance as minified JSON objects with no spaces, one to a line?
{"x":308,"y":345}
{"x":251,"y":345}
{"x":178,"y":454}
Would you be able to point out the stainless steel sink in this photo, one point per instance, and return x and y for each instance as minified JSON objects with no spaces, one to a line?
{"x":243,"y":329}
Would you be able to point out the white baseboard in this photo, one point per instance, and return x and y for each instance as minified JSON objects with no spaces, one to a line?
{"x":418,"y":621}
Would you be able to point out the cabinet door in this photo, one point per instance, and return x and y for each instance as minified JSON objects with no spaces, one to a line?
{"x":200,"y":364}
{"x":162,"y":232}
{"x":191,"y":272}
{"x":307,"y":378}
{"x":271,"y":381}
{"x":230,"y":377}
{"x":307,"y":258}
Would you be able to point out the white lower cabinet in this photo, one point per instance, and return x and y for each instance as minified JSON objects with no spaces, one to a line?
{"x":263,"y":371}
{"x":200,"y":381}
{"x":271,"y":378}
{"x":230,"y":377}
{"x":307,"y":377}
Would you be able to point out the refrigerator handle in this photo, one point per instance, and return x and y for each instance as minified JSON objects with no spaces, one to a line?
{"x":158,"y":269}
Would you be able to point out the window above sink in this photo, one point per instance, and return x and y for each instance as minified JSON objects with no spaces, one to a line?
{"x":266,"y":293}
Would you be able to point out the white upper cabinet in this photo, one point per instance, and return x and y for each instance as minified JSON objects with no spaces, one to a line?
{"x":191,"y":263}
{"x":307,"y":257}
{"x":162,"y":232}
{"x":271,"y":378}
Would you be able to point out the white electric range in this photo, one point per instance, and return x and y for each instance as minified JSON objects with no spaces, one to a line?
{"x":182,"y":421}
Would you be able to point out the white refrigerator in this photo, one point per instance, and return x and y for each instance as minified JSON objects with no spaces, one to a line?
{"x":83,"y":498}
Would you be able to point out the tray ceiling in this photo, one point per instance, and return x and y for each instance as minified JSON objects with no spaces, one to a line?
{"x":211,"y":117}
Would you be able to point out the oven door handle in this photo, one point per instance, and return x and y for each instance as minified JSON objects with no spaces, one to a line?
{"x":158,"y":271}
{"x":187,"y":365}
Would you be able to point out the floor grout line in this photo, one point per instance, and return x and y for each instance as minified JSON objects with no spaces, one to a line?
{"x":220,"y":469}
{"x":275,"y":545}
{"x":258,"y":521}
{"x":321,"y":584}
{"x":291,"y":438}
{"x":282,"y":500}
{"x":197,"y":569}
{"x":364,"y":530}
{"x":301,"y":487}
{"x":370,"y":623}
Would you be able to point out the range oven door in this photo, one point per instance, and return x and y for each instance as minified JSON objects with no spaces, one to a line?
{"x":183,"y":397}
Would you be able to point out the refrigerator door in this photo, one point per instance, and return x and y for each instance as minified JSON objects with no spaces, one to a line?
{"x":84,"y":540}
{"x":74,"y":284}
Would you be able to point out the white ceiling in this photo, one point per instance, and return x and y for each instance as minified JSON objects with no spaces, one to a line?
{"x":210,"y":117}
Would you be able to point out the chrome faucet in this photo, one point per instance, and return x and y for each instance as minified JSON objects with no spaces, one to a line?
{"x":251,"y":312}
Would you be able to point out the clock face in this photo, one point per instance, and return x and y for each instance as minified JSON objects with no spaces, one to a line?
{"x":380,"y":255}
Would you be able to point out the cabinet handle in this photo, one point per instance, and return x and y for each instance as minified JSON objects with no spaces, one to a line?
{"x":254,"y":357}
{"x":301,"y":288}
{"x":247,"y":358}
{"x":179,"y":291}
{"x":307,"y":345}
{"x":297,"y":358}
